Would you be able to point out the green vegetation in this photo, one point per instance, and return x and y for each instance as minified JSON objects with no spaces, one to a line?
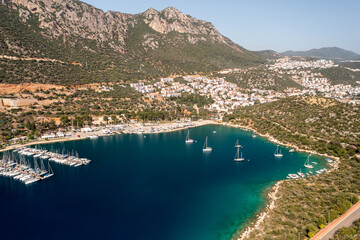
{"x":305,"y":206}
{"x":191,"y":99}
{"x":348,"y":233}
{"x":326,"y":126}
{"x":352,"y":65}
{"x":260,"y":78}
{"x":341,"y":75}
{"x":268,"y":54}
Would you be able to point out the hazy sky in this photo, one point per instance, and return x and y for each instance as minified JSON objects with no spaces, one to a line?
{"x":266,"y":24}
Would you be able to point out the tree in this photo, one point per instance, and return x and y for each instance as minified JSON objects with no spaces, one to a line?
{"x":64,"y":120}
{"x":114,"y":119}
{"x":106,"y":118}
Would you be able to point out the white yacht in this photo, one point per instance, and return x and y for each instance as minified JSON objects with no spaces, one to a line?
{"x":307,"y":163}
{"x":188,"y":139}
{"x":238,"y":158}
{"x":237,"y":145}
{"x":278,"y":153}
{"x":329,"y":160}
{"x":301,"y":174}
{"x":206,"y":148}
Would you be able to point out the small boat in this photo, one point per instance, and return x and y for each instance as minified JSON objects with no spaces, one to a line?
{"x":328,"y":160}
{"x":206,"y":148}
{"x":293,"y":176}
{"x":307,"y":163}
{"x":238,"y":158}
{"x":278,"y":153}
{"x":237,"y":145}
{"x":292,"y":150}
{"x":301,"y":174}
{"x":93,"y":136}
{"x":254,"y":136}
{"x":188,"y":139}
{"x":50,"y":172}
{"x":214,"y":131}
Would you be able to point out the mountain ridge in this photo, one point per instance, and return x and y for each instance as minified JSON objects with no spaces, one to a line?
{"x":330,"y":53}
{"x":113,"y":45}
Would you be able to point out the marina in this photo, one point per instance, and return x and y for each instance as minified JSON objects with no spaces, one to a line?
{"x":21,"y":169}
{"x":27,"y":164}
{"x":70,"y":159}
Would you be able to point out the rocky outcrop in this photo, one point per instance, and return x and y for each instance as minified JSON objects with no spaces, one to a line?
{"x":172,"y":20}
{"x":68,"y":18}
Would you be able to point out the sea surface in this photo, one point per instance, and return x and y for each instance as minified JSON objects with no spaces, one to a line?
{"x":149,"y":187}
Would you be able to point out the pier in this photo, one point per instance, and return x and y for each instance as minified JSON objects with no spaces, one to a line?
{"x":16,"y":166}
{"x":60,"y":158}
{"x":20,"y":169}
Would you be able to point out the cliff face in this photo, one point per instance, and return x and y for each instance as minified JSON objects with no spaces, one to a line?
{"x":67,"y":17}
{"x":62,"y":18}
{"x":172,"y":20}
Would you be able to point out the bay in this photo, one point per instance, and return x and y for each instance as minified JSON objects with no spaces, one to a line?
{"x":149,"y":186}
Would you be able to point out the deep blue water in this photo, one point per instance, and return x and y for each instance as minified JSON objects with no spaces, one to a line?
{"x":149,"y":188}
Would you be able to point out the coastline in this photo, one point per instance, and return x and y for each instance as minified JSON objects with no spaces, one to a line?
{"x":271,"y":202}
{"x":165,"y":128}
{"x":171,"y":127}
{"x":272,"y":195}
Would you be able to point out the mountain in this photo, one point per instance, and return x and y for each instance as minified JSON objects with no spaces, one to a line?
{"x":330,"y":53}
{"x":268,"y":54}
{"x":68,"y":41}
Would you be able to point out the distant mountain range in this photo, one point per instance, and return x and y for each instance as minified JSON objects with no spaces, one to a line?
{"x":85,"y":44}
{"x":330,"y":53}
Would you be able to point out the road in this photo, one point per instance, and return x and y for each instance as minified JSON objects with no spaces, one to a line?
{"x":344,"y":220}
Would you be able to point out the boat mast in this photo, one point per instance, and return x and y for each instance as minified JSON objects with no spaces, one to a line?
{"x":50,"y":169}
{"x":42,"y":167}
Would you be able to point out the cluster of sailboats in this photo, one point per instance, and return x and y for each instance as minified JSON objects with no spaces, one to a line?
{"x":65,"y":158}
{"x":309,"y":165}
{"x":206,"y":148}
{"x":278,"y":154}
{"x":22,"y":170}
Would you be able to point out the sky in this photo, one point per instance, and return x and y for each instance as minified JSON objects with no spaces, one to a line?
{"x":278,"y":25}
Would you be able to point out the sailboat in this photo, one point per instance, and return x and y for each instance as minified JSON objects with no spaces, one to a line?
{"x":206,"y":148}
{"x":301,"y":174}
{"x":188,"y":139}
{"x":307,"y":163}
{"x":238,"y":158}
{"x":237,"y":145}
{"x":50,"y":171}
{"x":278,"y":153}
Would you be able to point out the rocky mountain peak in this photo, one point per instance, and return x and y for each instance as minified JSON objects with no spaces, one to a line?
{"x":68,"y":18}
{"x":173,"y":13}
{"x":172,"y":20}
{"x":150,"y":13}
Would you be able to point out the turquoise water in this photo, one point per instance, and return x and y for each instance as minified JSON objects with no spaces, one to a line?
{"x":156,"y":187}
